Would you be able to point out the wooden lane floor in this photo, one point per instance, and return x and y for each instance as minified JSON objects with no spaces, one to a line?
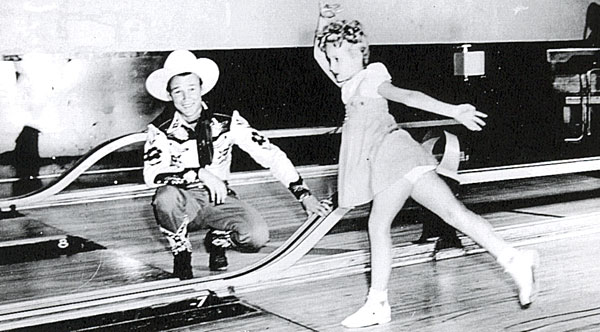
{"x":81,"y":272}
{"x":469,"y":293}
{"x":462,"y":294}
{"x":136,"y":252}
{"x":126,"y":228}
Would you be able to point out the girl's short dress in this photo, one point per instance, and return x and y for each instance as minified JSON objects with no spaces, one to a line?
{"x":375,"y":152}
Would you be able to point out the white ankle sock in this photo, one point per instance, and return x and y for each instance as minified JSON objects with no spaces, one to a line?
{"x":378,"y":295}
{"x":376,"y":310}
{"x":506,"y":256}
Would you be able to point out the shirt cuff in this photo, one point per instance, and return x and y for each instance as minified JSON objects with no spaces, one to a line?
{"x":299,"y":189}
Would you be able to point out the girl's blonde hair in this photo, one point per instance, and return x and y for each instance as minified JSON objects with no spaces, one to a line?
{"x":336,"y":32}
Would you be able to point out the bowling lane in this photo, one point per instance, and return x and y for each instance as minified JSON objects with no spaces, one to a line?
{"x":469,"y":293}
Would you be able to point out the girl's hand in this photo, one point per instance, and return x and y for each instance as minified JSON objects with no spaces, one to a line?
{"x":328,"y":11}
{"x":468,"y":116}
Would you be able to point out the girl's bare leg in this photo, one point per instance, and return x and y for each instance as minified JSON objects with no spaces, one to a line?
{"x":433,"y":193}
{"x":385,"y":207}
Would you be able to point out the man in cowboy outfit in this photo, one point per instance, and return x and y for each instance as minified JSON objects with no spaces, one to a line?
{"x":187,"y":154}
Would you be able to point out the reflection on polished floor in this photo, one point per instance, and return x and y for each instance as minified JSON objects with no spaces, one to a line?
{"x":446,"y":293}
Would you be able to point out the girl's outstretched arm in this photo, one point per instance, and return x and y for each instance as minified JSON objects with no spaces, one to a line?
{"x":326,"y":15}
{"x":466,"y":114}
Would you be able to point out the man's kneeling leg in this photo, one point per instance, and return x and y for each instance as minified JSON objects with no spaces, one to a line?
{"x":181,"y":247}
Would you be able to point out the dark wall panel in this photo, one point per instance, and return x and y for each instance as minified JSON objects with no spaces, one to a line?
{"x":284,"y":88}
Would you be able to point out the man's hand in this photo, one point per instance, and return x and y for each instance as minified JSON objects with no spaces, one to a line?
{"x":312,"y":205}
{"x":216,"y":187}
{"x":190,"y":176}
{"x":181,"y":134}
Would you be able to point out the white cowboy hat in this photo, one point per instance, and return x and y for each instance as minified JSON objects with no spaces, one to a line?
{"x":179,"y":62}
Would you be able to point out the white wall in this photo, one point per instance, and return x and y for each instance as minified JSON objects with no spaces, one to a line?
{"x":60,"y":26}
{"x":77,"y":104}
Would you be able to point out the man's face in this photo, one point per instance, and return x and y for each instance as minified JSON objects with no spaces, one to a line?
{"x":186,"y":93}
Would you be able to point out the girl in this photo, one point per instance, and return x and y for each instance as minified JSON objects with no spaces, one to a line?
{"x":380,"y":162}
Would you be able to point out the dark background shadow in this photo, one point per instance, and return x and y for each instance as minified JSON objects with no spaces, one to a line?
{"x":26,"y":160}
